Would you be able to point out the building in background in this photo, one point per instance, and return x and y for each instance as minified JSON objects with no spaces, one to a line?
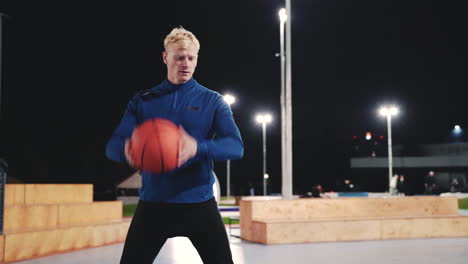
{"x":369,"y":165}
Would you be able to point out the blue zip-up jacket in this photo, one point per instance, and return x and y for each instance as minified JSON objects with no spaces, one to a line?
{"x":205,"y":116}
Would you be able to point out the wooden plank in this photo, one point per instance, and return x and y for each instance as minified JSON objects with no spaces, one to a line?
{"x":58,"y":193}
{"x":42,"y":216}
{"x":258,"y":232}
{"x":14,"y":194}
{"x":277,"y":232}
{"x":105,"y":235}
{"x":2,"y":246}
{"x":74,"y":238}
{"x":352,"y":207}
{"x":27,"y":217}
{"x":246,"y":220}
{"x":74,"y":214}
{"x":21,"y":246}
{"x":425,"y":227}
{"x":322,"y":231}
{"x":26,"y":245}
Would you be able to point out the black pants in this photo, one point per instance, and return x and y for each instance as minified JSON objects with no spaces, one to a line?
{"x":153,"y":223}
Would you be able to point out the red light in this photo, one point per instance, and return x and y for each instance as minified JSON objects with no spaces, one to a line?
{"x":354,"y":137}
{"x":381,"y":137}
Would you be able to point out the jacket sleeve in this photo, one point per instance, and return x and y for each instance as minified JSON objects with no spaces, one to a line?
{"x":116,"y":144}
{"x":227,"y":144}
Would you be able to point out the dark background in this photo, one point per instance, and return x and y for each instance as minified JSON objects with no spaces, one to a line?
{"x":70,"y":67}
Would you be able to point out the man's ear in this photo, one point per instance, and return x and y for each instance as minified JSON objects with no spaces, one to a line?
{"x":164,"y":56}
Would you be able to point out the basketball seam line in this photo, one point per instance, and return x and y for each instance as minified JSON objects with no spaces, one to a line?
{"x":178,"y":147}
{"x":143,"y":154}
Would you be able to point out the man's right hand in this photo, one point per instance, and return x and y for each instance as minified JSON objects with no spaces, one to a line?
{"x":128,"y":156}
{"x":187,"y":146}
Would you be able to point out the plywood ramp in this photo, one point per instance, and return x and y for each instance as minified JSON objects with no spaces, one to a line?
{"x":20,"y":246}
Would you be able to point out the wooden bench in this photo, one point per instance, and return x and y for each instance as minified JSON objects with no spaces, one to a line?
{"x":350,"y":219}
{"x":43,"y":219}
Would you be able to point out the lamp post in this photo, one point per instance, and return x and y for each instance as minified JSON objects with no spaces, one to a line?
{"x":284,"y":171}
{"x":229,"y":99}
{"x":286,"y":101}
{"x":1,"y":40}
{"x":389,"y":111}
{"x":264,"y":119}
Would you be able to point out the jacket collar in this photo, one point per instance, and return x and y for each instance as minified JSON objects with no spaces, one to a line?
{"x":167,"y":87}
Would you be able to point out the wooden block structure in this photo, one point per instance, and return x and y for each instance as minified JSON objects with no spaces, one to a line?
{"x":350,"y":219}
{"x":44,"y":219}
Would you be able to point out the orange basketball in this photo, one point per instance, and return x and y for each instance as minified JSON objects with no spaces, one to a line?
{"x":154,"y":146}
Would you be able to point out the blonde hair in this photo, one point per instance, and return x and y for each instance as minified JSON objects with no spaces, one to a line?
{"x":181,"y":37}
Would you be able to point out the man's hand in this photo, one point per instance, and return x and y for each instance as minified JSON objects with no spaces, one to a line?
{"x":128,"y":156}
{"x":187,"y":146}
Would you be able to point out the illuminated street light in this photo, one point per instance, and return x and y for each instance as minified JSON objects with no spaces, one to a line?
{"x":282,"y":15}
{"x":264,"y":119}
{"x":229,"y":99}
{"x":457,"y":133}
{"x":389,"y":111}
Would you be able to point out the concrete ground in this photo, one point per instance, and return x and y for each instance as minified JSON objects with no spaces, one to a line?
{"x":179,"y":250}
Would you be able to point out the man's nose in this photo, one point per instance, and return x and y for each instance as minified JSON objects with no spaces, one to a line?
{"x":185,"y":63}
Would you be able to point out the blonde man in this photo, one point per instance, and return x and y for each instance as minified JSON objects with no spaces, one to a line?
{"x":180,"y":203}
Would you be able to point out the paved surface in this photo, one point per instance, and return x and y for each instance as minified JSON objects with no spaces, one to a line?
{"x":180,"y":251}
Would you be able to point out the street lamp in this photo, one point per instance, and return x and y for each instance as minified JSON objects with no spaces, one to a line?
{"x":229,"y":99}
{"x":265,"y":183}
{"x":264,"y":119}
{"x":389,"y":111}
{"x":457,"y":133}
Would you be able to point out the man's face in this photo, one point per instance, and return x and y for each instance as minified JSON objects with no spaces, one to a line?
{"x":181,"y":63}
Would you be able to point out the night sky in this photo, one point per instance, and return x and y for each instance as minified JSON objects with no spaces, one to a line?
{"x":70,"y":67}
